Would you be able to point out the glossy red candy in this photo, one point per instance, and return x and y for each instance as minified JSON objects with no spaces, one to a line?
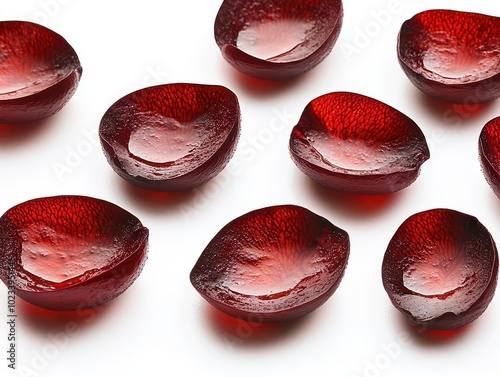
{"x":171,"y":137}
{"x":440,"y":269}
{"x":354,"y":143}
{"x":276,"y":39}
{"x":453,"y":56}
{"x":272,"y":264}
{"x":70,"y":252}
{"x":489,"y":154}
{"x":39,"y":72}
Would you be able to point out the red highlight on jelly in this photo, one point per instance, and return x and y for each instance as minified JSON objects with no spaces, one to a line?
{"x":39,"y":74}
{"x":272,"y":264}
{"x":71,"y":252}
{"x":276,"y":39}
{"x":440,"y":269}
{"x":451,"y":55}
{"x":171,"y":137}
{"x":353,"y":143}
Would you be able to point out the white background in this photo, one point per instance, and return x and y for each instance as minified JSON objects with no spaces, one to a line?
{"x":161,"y":326}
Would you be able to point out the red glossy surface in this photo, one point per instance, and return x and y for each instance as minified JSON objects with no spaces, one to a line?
{"x":171,"y":137}
{"x":489,"y":154}
{"x":39,"y":72}
{"x":357,"y":144}
{"x":272,"y":264}
{"x":277,"y":39}
{"x":440,"y":269}
{"x":71,"y":252}
{"x":451,"y":55}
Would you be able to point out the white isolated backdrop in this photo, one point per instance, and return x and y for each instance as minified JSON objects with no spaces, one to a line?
{"x":161,"y":326}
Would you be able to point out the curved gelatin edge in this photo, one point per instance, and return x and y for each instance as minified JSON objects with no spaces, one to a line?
{"x":268,"y":70}
{"x":199,"y":174}
{"x":81,"y":291}
{"x":451,"y":321}
{"x":481,"y":90}
{"x":40,"y":105}
{"x":280,"y":315}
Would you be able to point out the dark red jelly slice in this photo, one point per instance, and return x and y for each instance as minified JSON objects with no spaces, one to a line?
{"x":357,"y":144}
{"x":440,"y":269}
{"x":171,"y":137}
{"x":453,"y":56}
{"x":39,"y":72}
{"x":276,"y":39}
{"x":489,"y":153}
{"x":272,"y":264}
{"x":70,"y":252}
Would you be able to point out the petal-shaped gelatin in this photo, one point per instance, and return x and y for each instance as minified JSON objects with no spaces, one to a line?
{"x":353,"y":143}
{"x":272,"y":264}
{"x":39,"y":72}
{"x":171,"y":137}
{"x":489,"y":154}
{"x":70,"y":252}
{"x":440,"y":269}
{"x":451,"y":55}
{"x":277,"y":39}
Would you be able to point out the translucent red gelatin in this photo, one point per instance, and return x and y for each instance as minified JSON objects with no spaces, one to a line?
{"x":354,"y":143}
{"x":489,"y":154}
{"x":272,"y":264}
{"x":453,"y":56}
{"x":39,"y":72}
{"x":440,"y":269}
{"x":276,"y":39}
{"x":70,"y":252}
{"x":171,"y":137}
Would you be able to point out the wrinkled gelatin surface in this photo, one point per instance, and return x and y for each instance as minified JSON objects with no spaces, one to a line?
{"x":272,"y":264}
{"x":71,"y":252}
{"x":440,"y":269}
{"x":39,"y":72}
{"x":277,"y":39}
{"x":489,"y":153}
{"x":452,"y":55}
{"x":354,"y":143}
{"x":171,"y":137}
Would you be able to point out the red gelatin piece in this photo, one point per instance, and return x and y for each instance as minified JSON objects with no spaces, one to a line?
{"x":70,"y":252}
{"x":171,"y":137}
{"x":276,"y":39}
{"x":440,"y":269}
{"x":39,"y":72}
{"x":353,"y":143}
{"x":453,"y":56}
{"x":489,"y":154}
{"x":272,"y":264}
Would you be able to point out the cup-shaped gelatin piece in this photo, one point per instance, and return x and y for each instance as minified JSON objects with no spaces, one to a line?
{"x":440,"y":269}
{"x":39,"y":72}
{"x":272,"y":264}
{"x":70,"y":252}
{"x":353,"y":143}
{"x":451,"y":55}
{"x":489,"y":154}
{"x":277,"y":39}
{"x":171,"y":137}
